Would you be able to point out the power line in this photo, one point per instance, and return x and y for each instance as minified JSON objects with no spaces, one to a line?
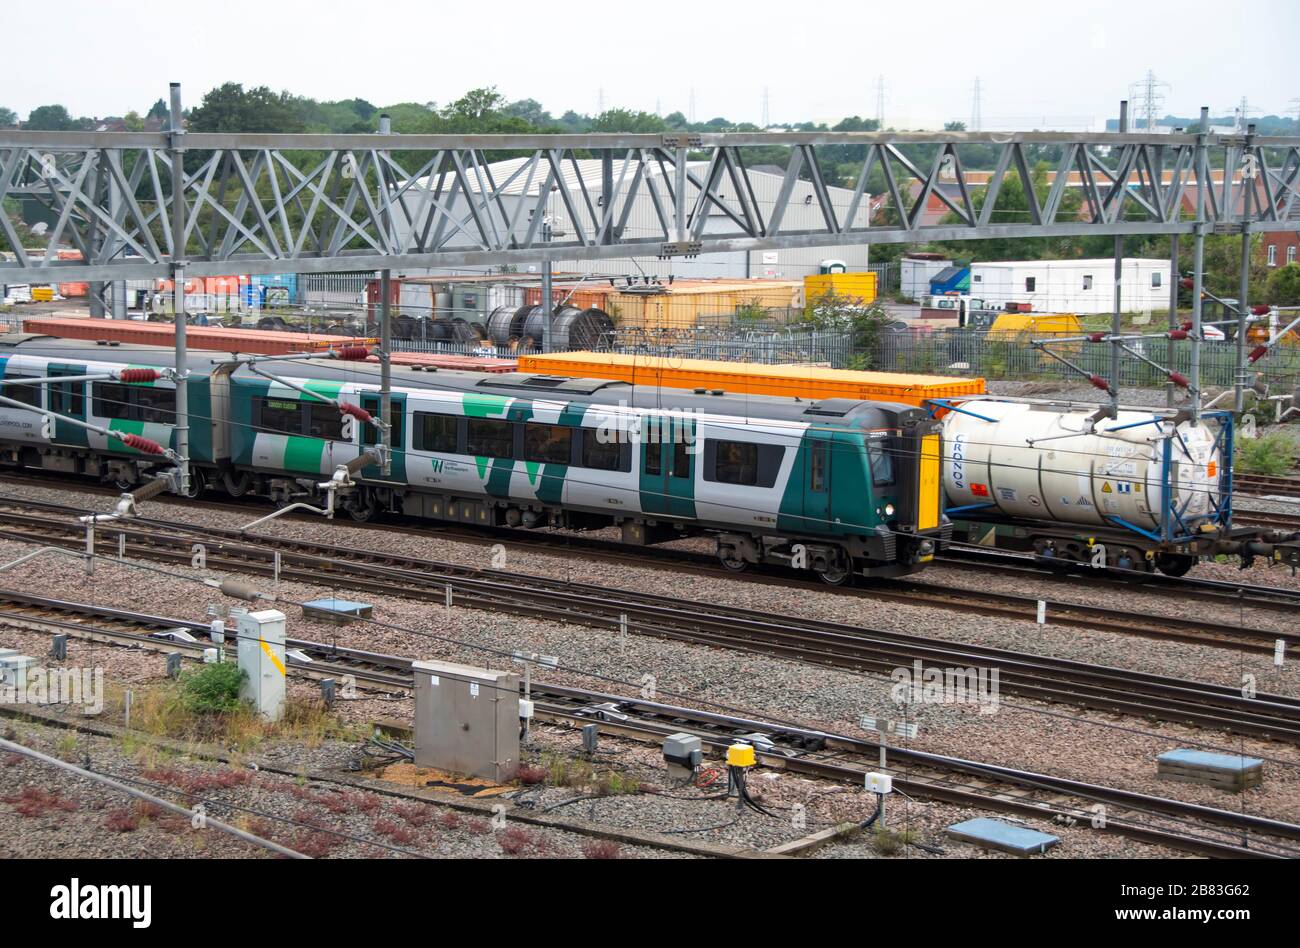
{"x":880,"y":102}
{"x":767,"y":107}
{"x":690,"y":113}
{"x":976,"y":108}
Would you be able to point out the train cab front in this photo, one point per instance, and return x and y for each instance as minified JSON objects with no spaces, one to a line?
{"x":906,"y":463}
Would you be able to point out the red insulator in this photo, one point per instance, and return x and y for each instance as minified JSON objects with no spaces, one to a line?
{"x":1096,"y":336}
{"x":1187,"y":325}
{"x":356,"y":411}
{"x":1260,"y":310}
{"x":1179,"y":379}
{"x":352,"y":353}
{"x":1099,"y":382}
{"x":1257,"y":353}
{"x":1187,"y":283}
{"x":143,"y":445}
{"x":1177,"y":334}
{"x":139,"y":375}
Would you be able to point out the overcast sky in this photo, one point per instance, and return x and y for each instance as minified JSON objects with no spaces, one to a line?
{"x":1066,"y":63}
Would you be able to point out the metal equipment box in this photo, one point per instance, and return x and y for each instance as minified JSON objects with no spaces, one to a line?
{"x":261,"y":658}
{"x":467,"y":720}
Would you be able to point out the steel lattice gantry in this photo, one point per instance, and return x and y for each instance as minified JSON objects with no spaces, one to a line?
{"x":262,"y":203}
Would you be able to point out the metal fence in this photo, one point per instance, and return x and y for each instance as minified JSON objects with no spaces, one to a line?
{"x":976,"y":353}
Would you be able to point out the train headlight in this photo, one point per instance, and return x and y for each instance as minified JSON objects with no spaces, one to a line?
{"x":889,"y":510}
{"x":927,"y":546}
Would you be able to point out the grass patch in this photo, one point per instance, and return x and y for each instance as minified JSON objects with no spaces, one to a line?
{"x":1273,"y":455}
{"x":889,"y":842}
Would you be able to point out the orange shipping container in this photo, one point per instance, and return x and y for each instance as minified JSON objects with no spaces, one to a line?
{"x":803,"y":381}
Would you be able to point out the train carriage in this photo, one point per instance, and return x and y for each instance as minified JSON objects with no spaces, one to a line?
{"x":841,"y":487}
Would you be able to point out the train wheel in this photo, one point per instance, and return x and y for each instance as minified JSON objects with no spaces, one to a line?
{"x":732,"y":560}
{"x":362,"y":508}
{"x":1174,"y":564}
{"x":198,"y":483}
{"x":840,"y":574}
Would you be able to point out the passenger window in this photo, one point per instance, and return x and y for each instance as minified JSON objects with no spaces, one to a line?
{"x":111,"y":401}
{"x":882,"y":464}
{"x":27,"y":394}
{"x":435,"y":432}
{"x":736,"y":462}
{"x":550,"y":444}
{"x":324,"y":421}
{"x":491,"y":437}
{"x":601,"y":455}
{"x":156,"y":405}
{"x":280,"y":415}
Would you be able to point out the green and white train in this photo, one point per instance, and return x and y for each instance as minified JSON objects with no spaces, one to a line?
{"x":839,"y":487}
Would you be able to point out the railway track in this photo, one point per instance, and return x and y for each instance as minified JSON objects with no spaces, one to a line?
{"x":19,"y":519}
{"x":1272,"y":598}
{"x":838,"y":645}
{"x":1183,"y":826}
{"x":1266,"y":485}
{"x":1266,"y":520}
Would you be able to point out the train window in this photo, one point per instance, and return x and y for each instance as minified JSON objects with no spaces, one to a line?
{"x":324,"y":421}
{"x":155,"y":404}
{"x":435,"y":432}
{"x":550,"y":444}
{"x":280,"y":415}
{"x":882,"y":464}
{"x":601,"y":455}
{"x":654,"y":454}
{"x":27,"y":394}
{"x":681,"y":459}
{"x":490,"y":437}
{"x":736,"y":462}
{"x":111,"y":401}
{"x":817,"y":465}
{"x":370,"y":433}
{"x":68,"y":398}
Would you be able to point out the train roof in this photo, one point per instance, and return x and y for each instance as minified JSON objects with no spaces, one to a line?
{"x":849,"y":412}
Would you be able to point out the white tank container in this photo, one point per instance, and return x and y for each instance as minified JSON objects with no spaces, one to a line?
{"x":1084,"y":478}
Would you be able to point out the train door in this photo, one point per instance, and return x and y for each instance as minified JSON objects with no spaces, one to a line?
{"x":370,"y":435}
{"x":817,"y":482}
{"x":668,"y":466}
{"x":67,"y":398}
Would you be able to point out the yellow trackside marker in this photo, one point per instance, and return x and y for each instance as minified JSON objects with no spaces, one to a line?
{"x":271,"y":655}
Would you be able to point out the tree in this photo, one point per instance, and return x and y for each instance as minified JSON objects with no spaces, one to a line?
{"x":475,"y":104}
{"x":229,"y":108}
{"x":158,"y":110}
{"x":862,"y":322}
{"x":954,"y":126}
{"x":50,"y":118}
{"x":624,"y":120}
{"x":1283,"y":286}
{"x":8,"y":118}
{"x":531,"y":111}
{"x":133,"y":122}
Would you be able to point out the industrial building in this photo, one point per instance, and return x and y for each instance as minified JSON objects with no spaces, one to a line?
{"x":1073,"y":286}
{"x":516,"y":187}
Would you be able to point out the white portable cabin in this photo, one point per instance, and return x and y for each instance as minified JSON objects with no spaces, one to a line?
{"x":915,"y":274}
{"x":1073,"y":286}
